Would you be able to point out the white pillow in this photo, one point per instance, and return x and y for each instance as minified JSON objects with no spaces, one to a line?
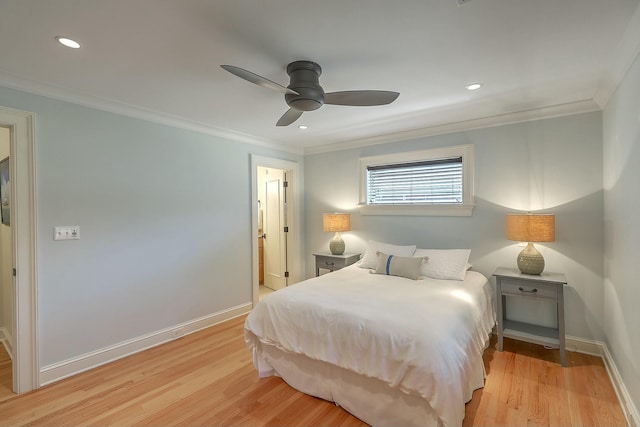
{"x":370,"y":257}
{"x":449,"y":264}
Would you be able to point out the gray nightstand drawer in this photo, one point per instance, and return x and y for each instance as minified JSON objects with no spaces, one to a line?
{"x":536,"y":290}
{"x":331,"y":262}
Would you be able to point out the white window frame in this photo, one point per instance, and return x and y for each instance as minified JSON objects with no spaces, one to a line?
{"x":423,"y":209}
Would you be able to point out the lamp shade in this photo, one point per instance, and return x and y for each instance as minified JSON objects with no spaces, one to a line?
{"x":531,"y":228}
{"x":336,"y":222}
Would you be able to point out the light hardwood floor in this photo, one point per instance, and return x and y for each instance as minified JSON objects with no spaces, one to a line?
{"x":207,"y":378}
{"x":6,"y":383}
{"x":264,"y":291}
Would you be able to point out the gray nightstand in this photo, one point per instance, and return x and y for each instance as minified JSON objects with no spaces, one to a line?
{"x":547,"y":286}
{"x":332,"y":262}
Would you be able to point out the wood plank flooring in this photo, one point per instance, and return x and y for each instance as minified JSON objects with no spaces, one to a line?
{"x":526,"y":385}
{"x":208,"y":378}
{"x":6,"y":383}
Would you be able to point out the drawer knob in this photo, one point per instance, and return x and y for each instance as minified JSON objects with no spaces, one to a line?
{"x":532,"y":291}
{"x":328,"y":263}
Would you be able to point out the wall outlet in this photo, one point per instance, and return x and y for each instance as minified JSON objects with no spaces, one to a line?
{"x":70,"y":232}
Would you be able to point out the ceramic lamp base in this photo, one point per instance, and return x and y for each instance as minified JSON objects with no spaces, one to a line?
{"x":530,"y":261}
{"x":336,"y":245}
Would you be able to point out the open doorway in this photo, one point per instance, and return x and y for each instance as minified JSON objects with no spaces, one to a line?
{"x":6,"y":266}
{"x":275,"y":224}
{"x":25,"y":366}
{"x":274,"y":211}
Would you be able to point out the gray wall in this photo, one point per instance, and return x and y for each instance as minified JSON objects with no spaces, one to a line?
{"x":165,"y":224}
{"x":622,"y":230}
{"x":552,"y":165}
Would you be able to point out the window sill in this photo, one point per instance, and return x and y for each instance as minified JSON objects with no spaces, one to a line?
{"x":417,"y":210}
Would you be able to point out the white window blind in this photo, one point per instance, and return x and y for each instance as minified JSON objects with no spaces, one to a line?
{"x":423,"y":182}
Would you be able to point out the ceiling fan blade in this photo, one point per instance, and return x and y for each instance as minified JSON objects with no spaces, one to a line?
{"x":289,"y":117}
{"x":360,"y":98}
{"x":256,"y":79}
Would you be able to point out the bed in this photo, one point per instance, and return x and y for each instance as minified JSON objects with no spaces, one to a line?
{"x":390,"y":350}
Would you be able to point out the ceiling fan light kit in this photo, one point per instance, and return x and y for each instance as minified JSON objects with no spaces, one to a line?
{"x":304,"y":92}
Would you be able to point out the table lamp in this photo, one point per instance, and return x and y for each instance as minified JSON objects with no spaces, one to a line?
{"x":336,"y":222}
{"x":530,"y":228}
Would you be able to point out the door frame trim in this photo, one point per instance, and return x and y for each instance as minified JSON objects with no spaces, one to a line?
{"x":294,"y":223}
{"x":24,"y":236}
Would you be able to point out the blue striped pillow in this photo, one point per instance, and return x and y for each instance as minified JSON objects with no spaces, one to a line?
{"x":392,"y":265}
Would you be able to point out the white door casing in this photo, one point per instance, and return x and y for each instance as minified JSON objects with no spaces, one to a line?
{"x":23,"y":225}
{"x":295,"y":265}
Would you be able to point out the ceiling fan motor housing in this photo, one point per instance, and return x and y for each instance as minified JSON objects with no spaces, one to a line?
{"x":304,"y":80}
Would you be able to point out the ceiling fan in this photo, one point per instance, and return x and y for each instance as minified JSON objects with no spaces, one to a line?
{"x":304,"y":92}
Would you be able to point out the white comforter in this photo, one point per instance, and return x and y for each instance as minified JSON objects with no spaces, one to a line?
{"x":419,"y":336}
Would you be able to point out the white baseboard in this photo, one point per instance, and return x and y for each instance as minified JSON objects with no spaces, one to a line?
{"x":629,"y":409}
{"x":5,"y":339}
{"x":598,"y":348}
{"x":580,"y":345}
{"x":69,"y":367}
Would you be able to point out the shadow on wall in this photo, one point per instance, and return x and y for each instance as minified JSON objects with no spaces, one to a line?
{"x":579,"y":232}
{"x":577,"y":250}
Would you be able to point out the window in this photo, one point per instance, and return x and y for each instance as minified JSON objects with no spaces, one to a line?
{"x":431,"y":182}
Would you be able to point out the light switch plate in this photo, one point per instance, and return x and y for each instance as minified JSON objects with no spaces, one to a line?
{"x":69,"y":232}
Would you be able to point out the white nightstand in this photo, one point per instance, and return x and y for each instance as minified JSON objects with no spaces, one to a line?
{"x":332,"y":262}
{"x":546,"y":286}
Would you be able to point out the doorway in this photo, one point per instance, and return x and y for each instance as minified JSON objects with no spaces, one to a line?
{"x":275,"y":224}
{"x":6,"y":278}
{"x":25,"y":365}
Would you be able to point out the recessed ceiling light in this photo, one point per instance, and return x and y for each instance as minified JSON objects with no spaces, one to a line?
{"x":303,"y":127}
{"x":474,"y":86}
{"x":68,"y":42}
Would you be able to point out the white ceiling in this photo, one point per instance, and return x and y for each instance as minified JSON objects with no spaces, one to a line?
{"x":159,"y":59}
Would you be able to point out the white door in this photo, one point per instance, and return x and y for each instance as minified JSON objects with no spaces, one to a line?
{"x":275,"y":237}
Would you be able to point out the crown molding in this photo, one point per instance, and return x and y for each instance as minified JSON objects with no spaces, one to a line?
{"x":63,"y":94}
{"x":624,"y":55}
{"x":466,"y":125}
{"x":66,"y":95}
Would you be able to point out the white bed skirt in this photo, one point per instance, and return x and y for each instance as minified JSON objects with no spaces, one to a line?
{"x":369,"y":399}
